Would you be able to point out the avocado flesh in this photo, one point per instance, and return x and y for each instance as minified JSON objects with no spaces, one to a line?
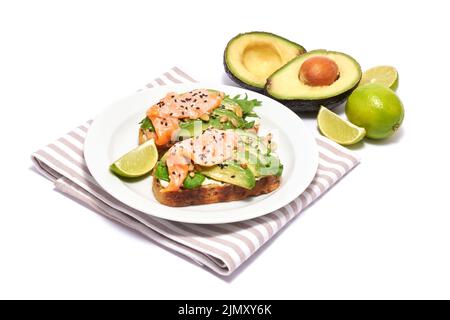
{"x":257,"y":156}
{"x":260,"y":164}
{"x":250,"y":58}
{"x":285,"y":85}
{"x":193,"y":182}
{"x":232,"y":173}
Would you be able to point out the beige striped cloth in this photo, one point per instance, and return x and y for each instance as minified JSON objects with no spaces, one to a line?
{"x":222,"y":248}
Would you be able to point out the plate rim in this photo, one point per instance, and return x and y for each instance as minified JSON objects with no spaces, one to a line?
{"x":89,"y":154}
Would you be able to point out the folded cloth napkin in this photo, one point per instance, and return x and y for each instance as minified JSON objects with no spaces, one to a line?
{"x":222,"y":248}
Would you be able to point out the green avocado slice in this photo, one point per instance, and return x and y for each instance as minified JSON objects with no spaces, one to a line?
{"x":232,"y":173}
{"x":161,"y":171}
{"x":193,"y":182}
{"x":250,"y":58}
{"x":285,"y":84}
{"x":259,"y":163}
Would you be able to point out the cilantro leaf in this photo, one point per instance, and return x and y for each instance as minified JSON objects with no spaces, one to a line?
{"x":248,"y":125}
{"x":146,"y":124}
{"x":245,"y":104}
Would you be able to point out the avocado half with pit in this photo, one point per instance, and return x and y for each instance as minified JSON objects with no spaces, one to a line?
{"x":314,"y":79}
{"x":250,"y":58}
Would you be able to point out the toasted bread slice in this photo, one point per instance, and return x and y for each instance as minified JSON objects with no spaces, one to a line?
{"x":213,"y":193}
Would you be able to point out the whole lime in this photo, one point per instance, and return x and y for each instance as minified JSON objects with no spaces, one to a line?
{"x":377,"y":109}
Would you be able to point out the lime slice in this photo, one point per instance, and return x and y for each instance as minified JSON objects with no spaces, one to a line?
{"x":337,"y":129}
{"x":385,"y":75}
{"x":137,"y":162}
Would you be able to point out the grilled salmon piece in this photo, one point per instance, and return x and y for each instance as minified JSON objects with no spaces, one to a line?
{"x":194,"y":104}
{"x":208,"y":149}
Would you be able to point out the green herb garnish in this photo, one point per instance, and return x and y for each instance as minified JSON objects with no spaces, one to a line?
{"x":248,"y":125}
{"x":245,"y":104}
{"x":146,"y":124}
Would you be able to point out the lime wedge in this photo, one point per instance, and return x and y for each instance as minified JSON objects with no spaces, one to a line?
{"x":337,"y":129}
{"x":137,"y":162}
{"x":385,"y":75}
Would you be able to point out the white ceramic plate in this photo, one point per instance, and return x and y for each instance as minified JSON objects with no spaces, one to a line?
{"x":115,"y":131}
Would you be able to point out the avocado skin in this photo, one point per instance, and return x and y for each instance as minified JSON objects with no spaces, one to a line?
{"x":237,"y":80}
{"x":300,"y":106}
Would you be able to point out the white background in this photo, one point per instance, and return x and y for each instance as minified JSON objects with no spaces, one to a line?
{"x":382,"y":232}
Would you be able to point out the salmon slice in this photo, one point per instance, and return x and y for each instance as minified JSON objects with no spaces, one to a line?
{"x":190,"y":105}
{"x":210,"y":148}
{"x":178,"y":167}
{"x":165,"y":128}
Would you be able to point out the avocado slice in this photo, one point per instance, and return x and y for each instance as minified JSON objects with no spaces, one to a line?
{"x":270,"y":166}
{"x":250,"y":58}
{"x":193,"y":182}
{"x":260,"y":164}
{"x":161,"y":171}
{"x":286,"y":85}
{"x":231,"y":172}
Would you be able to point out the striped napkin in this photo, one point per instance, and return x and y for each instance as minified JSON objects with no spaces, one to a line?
{"x":222,"y":248}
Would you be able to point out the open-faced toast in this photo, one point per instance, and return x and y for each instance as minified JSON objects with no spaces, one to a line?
{"x":209,"y":149}
{"x":216,"y":166}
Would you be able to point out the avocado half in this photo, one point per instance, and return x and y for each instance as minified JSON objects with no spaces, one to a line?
{"x":285,"y":85}
{"x":250,"y":58}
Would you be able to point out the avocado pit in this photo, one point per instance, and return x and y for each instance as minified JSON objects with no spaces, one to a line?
{"x":319,"y":71}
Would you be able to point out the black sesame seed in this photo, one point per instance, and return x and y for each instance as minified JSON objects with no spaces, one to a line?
{"x":233,"y":176}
